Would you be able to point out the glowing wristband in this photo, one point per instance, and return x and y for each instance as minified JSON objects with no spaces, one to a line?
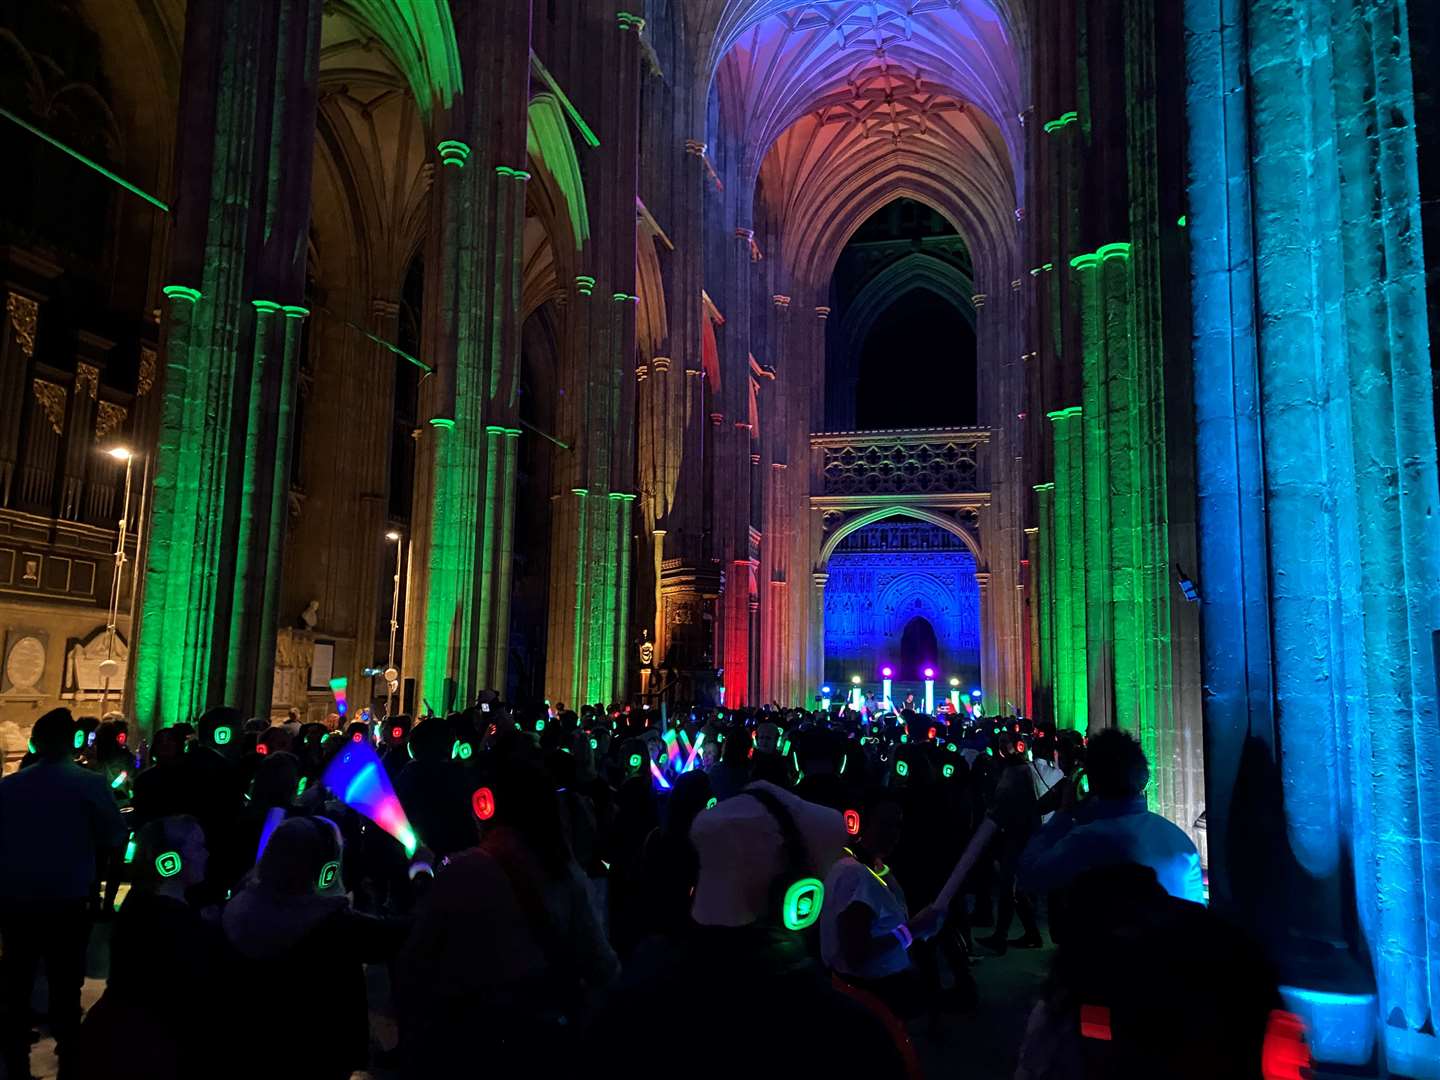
{"x":903,"y":935}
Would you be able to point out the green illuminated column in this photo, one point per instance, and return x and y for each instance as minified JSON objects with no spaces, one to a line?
{"x":1043,"y":598}
{"x":1071,"y":679}
{"x":242,"y":627}
{"x":504,"y":561}
{"x":622,"y":589}
{"x":495,"y":498}
{"x":1099,"y":591}
{"x":577,"y":662}
{"x":246,"y":145}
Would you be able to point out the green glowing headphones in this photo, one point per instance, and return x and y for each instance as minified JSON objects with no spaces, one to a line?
{"x":328,"y":873}
{"x":799,"y":894}
{"x":947,"y":771}
{"x":635,"y":761}
{"x":223,"y":734}
{"x":168,"y":864}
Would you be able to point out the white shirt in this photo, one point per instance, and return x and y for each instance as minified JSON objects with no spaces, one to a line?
{"x":852,"y":882}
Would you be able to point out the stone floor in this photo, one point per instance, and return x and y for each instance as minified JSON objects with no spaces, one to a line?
{"x":978,"y":1046}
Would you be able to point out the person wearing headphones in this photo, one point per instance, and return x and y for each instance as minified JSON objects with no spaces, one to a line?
{"x":744,"y":963}
{"x":57,"y":821}
{"x":866,"y":930}
{"x":162,"y":957}
{"x":292,"y":930}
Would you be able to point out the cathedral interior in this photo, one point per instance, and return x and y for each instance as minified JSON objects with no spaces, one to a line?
{"x":736,"y":351}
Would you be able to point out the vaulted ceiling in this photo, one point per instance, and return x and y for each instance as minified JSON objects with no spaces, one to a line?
{"x":846,"y":104}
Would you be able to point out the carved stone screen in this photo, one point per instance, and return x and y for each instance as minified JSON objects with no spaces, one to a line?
{"x":883,"y":578}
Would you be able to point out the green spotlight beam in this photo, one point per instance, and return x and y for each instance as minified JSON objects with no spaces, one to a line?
{"x":426,"y":368}
{"x":78,"y":156}
{"x":591,"y":139}
{"x":543,"y":434}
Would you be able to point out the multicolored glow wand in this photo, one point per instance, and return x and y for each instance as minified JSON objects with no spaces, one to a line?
{"x":694,"y":750}
{"x":337,"y":687}
{"x":659,"y":777}
{"x":358,"y":781}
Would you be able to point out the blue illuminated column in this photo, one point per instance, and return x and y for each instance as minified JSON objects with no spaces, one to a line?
{"x":955,"y":695}
{"x":1317,"y":489}
{"x":885,"y":689}
{"x":929,"y":691}
{"x":855,"y":693}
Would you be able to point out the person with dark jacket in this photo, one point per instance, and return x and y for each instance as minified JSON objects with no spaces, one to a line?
{"x":162,"y":962}
{"x":57,"y":822}
{"x":508,"y":947}
{"x":434,"y":789}
{"x":293,"y":932}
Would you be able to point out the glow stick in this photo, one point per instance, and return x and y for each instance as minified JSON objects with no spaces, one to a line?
{"x":273,"y":817}
{"x":119,"y":781}
{"x":694,"y":750}
{"x":357,"y":779}
{"x":967,"y":862}
{"x":337,"y":687}
{"x":659,"y":777}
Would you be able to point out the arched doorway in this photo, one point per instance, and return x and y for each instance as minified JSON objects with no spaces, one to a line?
{"x":918,"y":648}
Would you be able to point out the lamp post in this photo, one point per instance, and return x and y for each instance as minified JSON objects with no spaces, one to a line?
{"x":392,"y":675}
{"x":109,"y":666}
{"x":885,"y":674}
{"x":955,"y":695}
{"x":929,"y":691}
{"x":855,"y":692}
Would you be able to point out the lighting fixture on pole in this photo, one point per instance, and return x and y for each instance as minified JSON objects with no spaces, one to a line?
{"x":825,"y":698}
{"x":392,"y":675}
{"x":855,"y":692}
{"x":885,"y":674}
{"x":929,"y":691}
{"x":955,"y":696}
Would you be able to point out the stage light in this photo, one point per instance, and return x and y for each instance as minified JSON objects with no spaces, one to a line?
{"x":120,"y":453}
{"x":356,"y":778}
{"x":885,"y":671}
{"x":392,"y":536}
{"x":885,"y":688}
{"x":930,"y":692}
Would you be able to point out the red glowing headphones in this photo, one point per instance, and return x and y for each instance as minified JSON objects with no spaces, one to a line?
{"x":852,"y":822}
{"x":483,"y":803}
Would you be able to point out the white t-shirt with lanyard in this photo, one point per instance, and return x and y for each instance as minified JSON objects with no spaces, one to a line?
{"x":850,"y":881}
{"x":1043,"y":777}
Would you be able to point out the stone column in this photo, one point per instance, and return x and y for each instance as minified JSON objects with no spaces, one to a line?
{"x":989,"y":674}
{"x":1071,"y":677}
{"x":246,"y":133}
{"x":1317,"y":482}
{"x":1043,"y":600}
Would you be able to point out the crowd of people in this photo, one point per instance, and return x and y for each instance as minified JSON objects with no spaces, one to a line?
{"x":633,"y":888}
